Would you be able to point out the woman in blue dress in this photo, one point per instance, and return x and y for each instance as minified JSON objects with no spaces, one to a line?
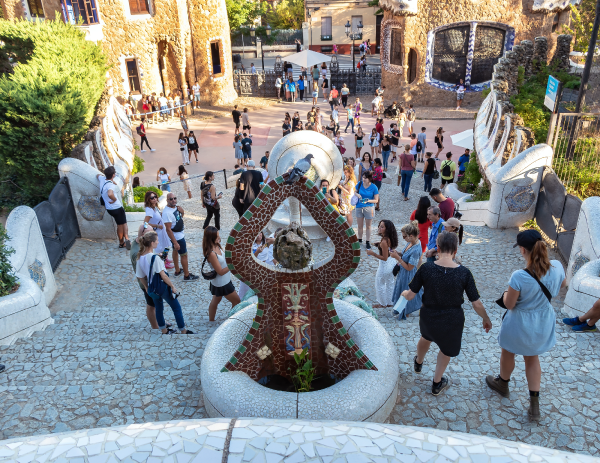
{"x":408,"y":260}
{"x":528,"y":326}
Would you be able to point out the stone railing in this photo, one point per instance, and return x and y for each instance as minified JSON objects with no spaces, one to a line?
{"x":26,"y":310}
{"x":265,"y":440}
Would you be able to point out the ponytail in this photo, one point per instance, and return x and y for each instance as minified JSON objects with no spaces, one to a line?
{"x":146,"y":241}
{"x":460,"y":234}
{"x":539,"y":264}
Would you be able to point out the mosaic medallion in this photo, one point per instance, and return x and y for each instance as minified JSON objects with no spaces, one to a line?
{"x":90,"y":208}
{"x":36,"y":272}
{"x":520,"y":198}
{"x":296,"y":317}
{"x":579,"y":261}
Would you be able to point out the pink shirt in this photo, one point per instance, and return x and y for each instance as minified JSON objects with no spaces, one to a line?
{"x":405,"y":161}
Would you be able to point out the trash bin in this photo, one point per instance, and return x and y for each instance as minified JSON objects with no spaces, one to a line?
{"x":237,"y":58}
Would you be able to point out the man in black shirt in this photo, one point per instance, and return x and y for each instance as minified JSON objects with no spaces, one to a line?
{"x":247,"y":147}
{"x":250,"y":186}
{"x":264,"y":160}
{"x":236,"y":119}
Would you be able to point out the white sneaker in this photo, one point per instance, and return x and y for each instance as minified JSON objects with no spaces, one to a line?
{"x":152,"y":150}
{"x":143,"y":151}
{"x":250,"y":135}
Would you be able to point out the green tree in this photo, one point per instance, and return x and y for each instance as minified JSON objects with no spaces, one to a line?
{"x":242,"y":12}
{"x":582,"y":21}
{"x":46,"y":103}
{"x":287,"y":14}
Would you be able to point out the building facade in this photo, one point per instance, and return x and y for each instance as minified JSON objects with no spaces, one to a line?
{"x":428,"y":45}
{"x":151,"y":45}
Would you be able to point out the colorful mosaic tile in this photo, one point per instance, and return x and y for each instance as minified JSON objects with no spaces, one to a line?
{"x":90,"y":208}
{"x":295,"y":309}
{"x":37,"y":274}
{"x":520,"y":198}
{"x":579,"y":261}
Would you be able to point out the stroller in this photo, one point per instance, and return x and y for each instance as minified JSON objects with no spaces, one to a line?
{"x":391,"y":112}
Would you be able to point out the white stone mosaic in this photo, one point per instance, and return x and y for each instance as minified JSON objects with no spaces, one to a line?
{"x":272,"y":441}
{"x":362,"y":396}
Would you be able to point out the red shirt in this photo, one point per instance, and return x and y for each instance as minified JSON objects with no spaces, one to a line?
{"x":379,"y":128}
{"x":446,"y":208}
{"x":423,"y":231}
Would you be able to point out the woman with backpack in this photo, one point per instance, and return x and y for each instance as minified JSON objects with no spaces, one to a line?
{"x":210,"y":200}
{"x":220,"y":283}
{"x":528,"y":326}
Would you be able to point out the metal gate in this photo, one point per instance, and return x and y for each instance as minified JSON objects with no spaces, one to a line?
{"x":58,"y":222}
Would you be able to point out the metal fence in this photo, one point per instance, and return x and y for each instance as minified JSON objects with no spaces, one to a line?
{"x":242,"y":37}
{"x":576,"y":141}
{"x":58,"y":222}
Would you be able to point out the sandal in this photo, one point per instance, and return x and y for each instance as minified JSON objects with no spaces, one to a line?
{"x":122,"y":245}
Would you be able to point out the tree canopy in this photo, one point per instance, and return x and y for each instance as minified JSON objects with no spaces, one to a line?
{"x":582,"y":21}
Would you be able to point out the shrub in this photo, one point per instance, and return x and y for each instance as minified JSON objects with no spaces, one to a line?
{"x":138,"y":165}
{"x":47,"y":101}
{"x":8,"y":279}
{"x":133,"y":208}
{"x":140,"y":191}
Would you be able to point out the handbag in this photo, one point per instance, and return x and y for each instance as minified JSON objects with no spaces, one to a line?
{"x":156,"y":285}
{"x":101,"y":191}
{"x":354,"y":200}
{"x":396,"y":270}
{"x":342,"y":149}
{"x":436,"y":174}
{"x":208,"y":275}
{"x":500,"y":301}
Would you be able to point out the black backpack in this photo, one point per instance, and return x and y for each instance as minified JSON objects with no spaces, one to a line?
{"x":419,"y":147}
{"x":179,"y":224}
{"x":446,"y":170}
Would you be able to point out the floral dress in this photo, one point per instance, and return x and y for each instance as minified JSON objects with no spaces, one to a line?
{"x":346,"y":206}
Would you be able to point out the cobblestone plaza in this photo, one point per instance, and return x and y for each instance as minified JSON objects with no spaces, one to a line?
{"x":101,"y":365}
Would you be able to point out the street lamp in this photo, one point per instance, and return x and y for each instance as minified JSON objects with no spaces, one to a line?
{"x":252,"y":34}
{"x":354,"y":36}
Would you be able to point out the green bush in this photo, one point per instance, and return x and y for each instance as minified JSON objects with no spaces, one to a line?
{"x":8,"y":280}
{"x":47,"y":101}
{"x":138,"y":165}
{"x":133,"y":208}
{"x":140,"y":191}
{"x":472,"y":178}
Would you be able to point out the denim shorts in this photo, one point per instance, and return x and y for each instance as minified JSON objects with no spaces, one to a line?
{"x":365,"y":212}
{"x":182,"y":247}
{"x":196,"y":97}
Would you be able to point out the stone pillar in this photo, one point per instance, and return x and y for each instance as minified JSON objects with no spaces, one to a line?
{"x":164,"y":73}
{"x":561,"y":55}
{"x":294,"y":210}
{"x":520,"y":54}
{"x":540,"y":53}
{"x":512,"y":73}
{"x":527,"y":56}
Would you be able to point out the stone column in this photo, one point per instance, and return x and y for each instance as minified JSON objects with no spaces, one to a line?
{"x":540,"y":53}
{"x":561,"y":55}
{"x":527,"y":56}
{"x":512,"y":64}
{"x":294,"y":207}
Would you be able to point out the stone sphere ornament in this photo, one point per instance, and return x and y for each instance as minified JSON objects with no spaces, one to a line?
{"x":292,"y":248}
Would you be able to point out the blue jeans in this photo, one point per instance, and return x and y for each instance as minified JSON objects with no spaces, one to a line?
{"x":428,"y":180}
{"x":385,"y":155}
{"x":175,"y":306}
{"x":405,"y":182}
{"x":350,"y":122}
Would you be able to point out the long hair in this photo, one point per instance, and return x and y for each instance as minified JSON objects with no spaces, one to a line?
{"x":365,"y":154}
{"x":208,"y":175}
{"x":209,"y":240}
{"x":538,"y":263}
{"x":147,"y":198}
{"x":182,"y":170}
{"x":146,"y":241}
{"x":181,"y":137}
{"x":460,"y":234}
{"x":421,"y":211}
{"x":350,"y":173}
{"x":390,"y":233}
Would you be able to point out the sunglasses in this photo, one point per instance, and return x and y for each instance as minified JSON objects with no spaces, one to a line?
{"x":172,"y":199}
{"x":153,"y":197}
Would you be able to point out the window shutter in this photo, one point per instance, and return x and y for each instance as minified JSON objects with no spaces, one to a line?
{"x":326,"y":26}
{"x":134,"y":6}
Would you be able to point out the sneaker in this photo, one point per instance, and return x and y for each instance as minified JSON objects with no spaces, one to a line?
{"x":152,"y":149}
{"x":196,"y":161}
{"x":584,"y":328}
{"x":498,"y":385}
{"x":143,"y":151}
{"x":191,"y":277}
{"x":360,"y":240}
{"x":178,"y":274}
{"x":2,"y":368}
{"x":572,"y":321}
{"x":419,"y":366}
{"x":395,"y":312}
{"x":368,"y":245}
{"x":187,"y":332}
{"x":436,"y":389}
{"x":250,"y":135}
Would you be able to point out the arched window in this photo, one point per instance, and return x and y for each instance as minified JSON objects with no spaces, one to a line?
{"x":466,"y":50}
{"x":411,"y":72}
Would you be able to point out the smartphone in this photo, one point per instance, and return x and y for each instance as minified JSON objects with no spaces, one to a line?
{"x":220,"y":193}
{"x":324,"y":191}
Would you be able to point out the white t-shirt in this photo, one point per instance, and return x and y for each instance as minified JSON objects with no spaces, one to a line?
{"x":104,"y":189}
{"x":245,"y":119}
{"x":163,"y":101}
{"x":278,"y":83}
{"x":376,"y":101}
{"x":335,"y":115}
{"x":168,"y":216}
{"x":196,"y":89}
{"x":143,"y":266}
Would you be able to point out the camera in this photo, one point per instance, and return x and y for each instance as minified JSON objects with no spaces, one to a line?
{"x":457,"y":215}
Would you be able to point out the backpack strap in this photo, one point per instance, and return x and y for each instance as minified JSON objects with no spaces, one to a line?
{"x":542,"y":286}
{"x":151,"y":267}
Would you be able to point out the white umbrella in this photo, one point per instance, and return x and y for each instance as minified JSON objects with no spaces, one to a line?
{"x":307,"y":58}
{"x":463,"y":139}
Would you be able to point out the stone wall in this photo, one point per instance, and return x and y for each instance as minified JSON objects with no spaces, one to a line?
{"x":434,"y":13}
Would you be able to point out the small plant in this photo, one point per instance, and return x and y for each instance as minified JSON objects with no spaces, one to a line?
{"x":481,"y":193}
{"x":530,"y":224}
{"x":133,"y":208}
{"x":305,"y":372}
{"x":138,"y":165}
{"x":8,"y":280}
{"x":140,"y":191}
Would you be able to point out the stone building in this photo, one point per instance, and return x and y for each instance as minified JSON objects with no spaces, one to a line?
{"x":151,"y":45}
{"x":428,"y":45}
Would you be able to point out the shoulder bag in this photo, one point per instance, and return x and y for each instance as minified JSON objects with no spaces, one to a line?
{"x":101,"y":191}
{"x":354,"y":200}
{"x":156,"y":285}
{"x":211,"y":275}
{"x":500,"y":301}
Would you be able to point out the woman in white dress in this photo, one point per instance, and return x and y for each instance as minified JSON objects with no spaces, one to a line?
{"x":154,"y":219}
{"x":384,"y":279}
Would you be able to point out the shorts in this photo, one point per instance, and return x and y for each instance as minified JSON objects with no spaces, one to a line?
{"x":237,"y":125}
{"x":182,"y":247}
{"x":149,"y":300}
{"x":365,"y":212}
{"x":193,"y":147}
{"x":221,"y":291}
{"x":247,"y":155}
{"x":315,"y":94}
{"x":196,"y":97}
{"x":118,"y":215}
{"x":449,"y":180}
{"x":373,"y":105}
{"x":246,"y":127}
{"x":409,"y":124}
{"x":460,"y":95}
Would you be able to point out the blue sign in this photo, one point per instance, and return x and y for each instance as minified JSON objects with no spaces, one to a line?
{"x":551,"y":93}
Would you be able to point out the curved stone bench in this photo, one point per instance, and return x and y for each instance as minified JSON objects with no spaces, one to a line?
{"x":265,"y":440}
{"x":364,"y":395}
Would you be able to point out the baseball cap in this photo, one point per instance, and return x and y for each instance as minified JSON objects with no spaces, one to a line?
{"x":451,"y":222}
{"x":528,"y":238}
{"x":251,"y":163}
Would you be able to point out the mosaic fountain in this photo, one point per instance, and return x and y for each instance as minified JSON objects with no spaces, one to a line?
{"x":296,"y":310}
